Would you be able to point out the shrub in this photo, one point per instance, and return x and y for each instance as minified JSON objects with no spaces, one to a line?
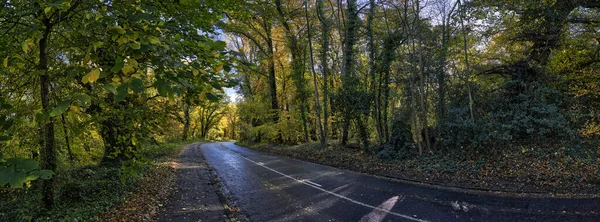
{"x":535,"y":116}
{"x":400,"y":134}
{"x":400,"y":142}
{"x":86,"y":184}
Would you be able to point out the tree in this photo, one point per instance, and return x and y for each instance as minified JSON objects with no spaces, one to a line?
{"x":541,"y":25}
{"x":258,"y":30}
{"x":297,"y":64}
{"x":314,"y":73}
{"x":125,"y":54}
{"x":209,"y":114}
{"x":325,"y":25}
{"x":390,"y":58}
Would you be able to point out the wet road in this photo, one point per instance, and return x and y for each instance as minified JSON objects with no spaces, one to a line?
{"x":272,"y":188}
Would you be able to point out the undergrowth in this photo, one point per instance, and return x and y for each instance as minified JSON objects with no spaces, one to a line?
{"x":86,"y":192}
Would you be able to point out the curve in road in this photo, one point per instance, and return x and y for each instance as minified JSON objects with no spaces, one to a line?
{"x":272,"y":188}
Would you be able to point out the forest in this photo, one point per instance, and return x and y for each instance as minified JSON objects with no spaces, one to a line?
{"x":93,"y":93}
{"x":500,"y":95}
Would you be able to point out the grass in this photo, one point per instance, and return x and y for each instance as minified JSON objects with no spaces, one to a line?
{"x":92,"y":192}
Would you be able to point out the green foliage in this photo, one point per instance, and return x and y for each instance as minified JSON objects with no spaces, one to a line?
{"x":5,"y":121}
{"x":535,"y":116}
{"x":15,"y":172}
{"x":288,"y":130}
{"x":153,"y":152}
{"x":88,"y":183}
{"x":265,"y":133}
{"x":353,"y":101}
{"x":254,"y":112}
{"x":106,"y":70}
{"x":84,"y":193}
{"x":391,"y":153}
{"x":401,"y":134}
{"x":400,"y":145}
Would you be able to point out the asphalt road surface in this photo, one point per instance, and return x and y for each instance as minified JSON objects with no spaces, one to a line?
{"x":273,"y":188}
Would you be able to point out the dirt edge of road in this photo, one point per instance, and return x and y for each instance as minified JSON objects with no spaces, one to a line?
{"x":232,"y":209}
{"x":198,"y":194}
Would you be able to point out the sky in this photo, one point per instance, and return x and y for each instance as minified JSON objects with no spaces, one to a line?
{"x":233,"y":96}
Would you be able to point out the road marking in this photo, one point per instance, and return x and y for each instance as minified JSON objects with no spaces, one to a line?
{"x":310,"y":182}
{"x":313,"y":183}
{"x":260,"y":163}
{"x":378,"y":216}
{"x":329,"y":192}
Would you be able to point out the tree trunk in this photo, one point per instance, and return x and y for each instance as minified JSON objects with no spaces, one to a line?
{"x":348,"y":78}
{"x":204,"y":132}
{"x":362,"y":131}
{"x":272,"y":79}
{"x":414,"y":116}
{"x":372,"y":71}
{"x":67,"y":141}
{"x":186,"y":119}
{"x":386,"y":101}
{"x":324,"y":68}
{"x":314,"y":74}
{"x":117,"y":137}
{"x":391,"y":43}
{"x":48,"y":154}
{"x":422,"y":79}
{"x":442,"y":79}
{"x":410,"y":77}
{"x":442,"y":65}
{"x":467,"y":68}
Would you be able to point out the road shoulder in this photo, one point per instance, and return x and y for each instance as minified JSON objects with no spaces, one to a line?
{"x":197,"y":196}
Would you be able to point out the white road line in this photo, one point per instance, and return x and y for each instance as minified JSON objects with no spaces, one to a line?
{"x":313,"y":183}
{"x":310,"y":182}
{"x":329,"y":192}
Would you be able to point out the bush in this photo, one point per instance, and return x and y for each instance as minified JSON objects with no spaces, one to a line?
{"x":89,"y":183}
{"x":400,"y":134}
{"x":263,"y":134}
{"x":389,"y":152}
{"x":400,"y":142}
{"x":535,"y":116}
{"x":286,"y":131}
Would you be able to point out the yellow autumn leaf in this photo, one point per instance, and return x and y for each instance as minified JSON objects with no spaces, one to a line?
{"x":195,"y":72}
{"x":92,"y":76}
{"x":122,"y":40}
{"x":127,"y":69}
{"x":132,"y":62}
{"x":48,"y":10}
{"x":153,"y":40}
{"x":25,"y":46}
{"x":86,"y":59}
{"x":5,"y":62}
{"x":219,"y":68}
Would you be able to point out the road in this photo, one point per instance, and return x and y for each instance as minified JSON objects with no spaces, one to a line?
{"x":272,"y":188}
